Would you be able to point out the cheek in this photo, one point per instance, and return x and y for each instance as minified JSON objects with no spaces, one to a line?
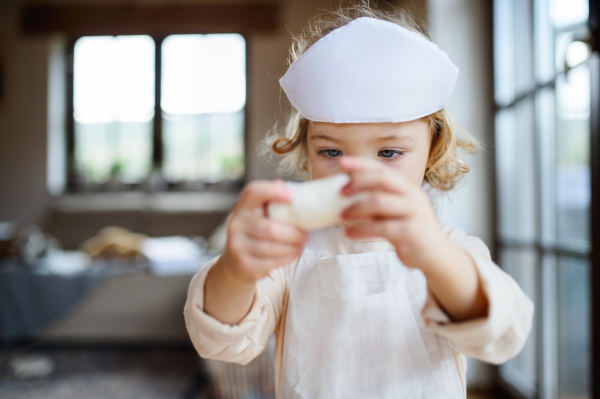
{"x":413,"y":166}
{"x":321,"y":167}
{"x":421,"y":165}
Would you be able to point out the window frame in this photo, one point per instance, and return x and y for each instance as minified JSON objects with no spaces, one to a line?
{"x":157,"y":157}
{"x":549,"y":254}
{"x":594,"y":26}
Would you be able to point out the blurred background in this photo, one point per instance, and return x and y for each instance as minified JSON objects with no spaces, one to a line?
{"x":128,"y":127}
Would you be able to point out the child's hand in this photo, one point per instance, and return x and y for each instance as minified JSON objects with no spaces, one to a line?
{"x":396,"y":209}
{"x":399,"y":211}
{"x":255,"y":243}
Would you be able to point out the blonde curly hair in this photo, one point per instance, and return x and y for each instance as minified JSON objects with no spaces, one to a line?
{"x":445,"y":168}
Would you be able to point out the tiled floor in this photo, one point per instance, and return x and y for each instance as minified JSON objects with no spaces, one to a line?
{"x":103,"y":374}
{"x":139,"y":373}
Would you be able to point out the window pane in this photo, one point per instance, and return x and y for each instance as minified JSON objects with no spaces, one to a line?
{"x":548,"y":314}
{"x":513,"y":49}
{"x":520,"y":371}
{"x":572,"y":156}
{"x":206,"y":147}
{"x":113,"y":106}
{"x":516,"y":172}
{"x":574,"y":328}
{"x":543,"y":39}
{"x":203,"y":99}
{"x":568,"y":12}
{"x":545,"y":112}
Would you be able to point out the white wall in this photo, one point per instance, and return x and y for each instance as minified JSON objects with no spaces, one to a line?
{"x":463,"y":28}
{"x":22,"y":121}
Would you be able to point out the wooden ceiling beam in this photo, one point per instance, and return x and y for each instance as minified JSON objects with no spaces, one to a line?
{"x":152,"y":19}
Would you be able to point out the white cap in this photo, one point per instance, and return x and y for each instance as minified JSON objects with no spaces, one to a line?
{"x":370,"y":71}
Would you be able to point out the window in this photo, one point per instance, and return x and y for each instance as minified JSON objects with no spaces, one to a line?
{"x":543,"y":99}
{"x":161,"y":112}
{"x":113,"y":107}
{"x":203,"y":134}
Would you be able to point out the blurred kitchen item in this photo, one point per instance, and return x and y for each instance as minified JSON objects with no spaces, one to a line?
{"x":173,"y":255}
{"x":31,"y":366}
{"x":64,"y":262}
{"x":27,"y":243}
{"x":32,"y":244}
{"x":114,"y":242}
{"x":8,"y":236}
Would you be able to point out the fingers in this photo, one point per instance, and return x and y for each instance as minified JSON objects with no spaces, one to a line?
{"x":368,"y":174}
{"x":378,"y":205}
{"x":251,"y":261}
{"x":351,"y":164}
{"x":246,"y":246}
{"x":260,"y":244}
{"x":270,"y":249}
{"x":272,"y":230}
{"x":256,"y":244}
{"x":383,"y":229}
{"x":371,"y":180}
{"x":257,"y":193}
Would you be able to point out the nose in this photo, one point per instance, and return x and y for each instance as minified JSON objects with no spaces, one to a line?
{"x":360,"y":154}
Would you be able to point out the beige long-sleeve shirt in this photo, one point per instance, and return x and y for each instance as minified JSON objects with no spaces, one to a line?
{"x":494,"y":339}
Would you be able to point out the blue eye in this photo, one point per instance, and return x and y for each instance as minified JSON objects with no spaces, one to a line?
{"x":331,"y":153}
{"x":387,"y":153}
{"x":390,"y":154}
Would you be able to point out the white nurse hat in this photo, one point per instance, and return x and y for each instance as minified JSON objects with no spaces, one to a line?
{"x":370,"y":71}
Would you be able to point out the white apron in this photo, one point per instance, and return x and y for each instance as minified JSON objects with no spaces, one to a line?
{"x":354,"y":327}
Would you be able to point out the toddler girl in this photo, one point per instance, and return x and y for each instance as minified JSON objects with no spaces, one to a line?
{"x":388,"y":303}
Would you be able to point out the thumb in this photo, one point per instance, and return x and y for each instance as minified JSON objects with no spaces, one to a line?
{"x":259,"y":192}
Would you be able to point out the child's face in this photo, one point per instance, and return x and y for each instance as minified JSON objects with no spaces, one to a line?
{"x":403,"y":146}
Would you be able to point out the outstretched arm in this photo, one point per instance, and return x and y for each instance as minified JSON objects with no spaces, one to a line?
{"x":255,"y":245}
{"x":472,"y":302}
{"x":401,"y":212}
{"x":234,"y":303}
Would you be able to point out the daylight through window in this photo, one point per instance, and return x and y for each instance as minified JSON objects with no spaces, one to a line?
{"x":203,"y":96}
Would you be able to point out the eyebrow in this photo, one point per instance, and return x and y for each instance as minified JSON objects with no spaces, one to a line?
{"x":393,"y":138}
{"x":379,"y":140}
{"x":323,"y":137}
